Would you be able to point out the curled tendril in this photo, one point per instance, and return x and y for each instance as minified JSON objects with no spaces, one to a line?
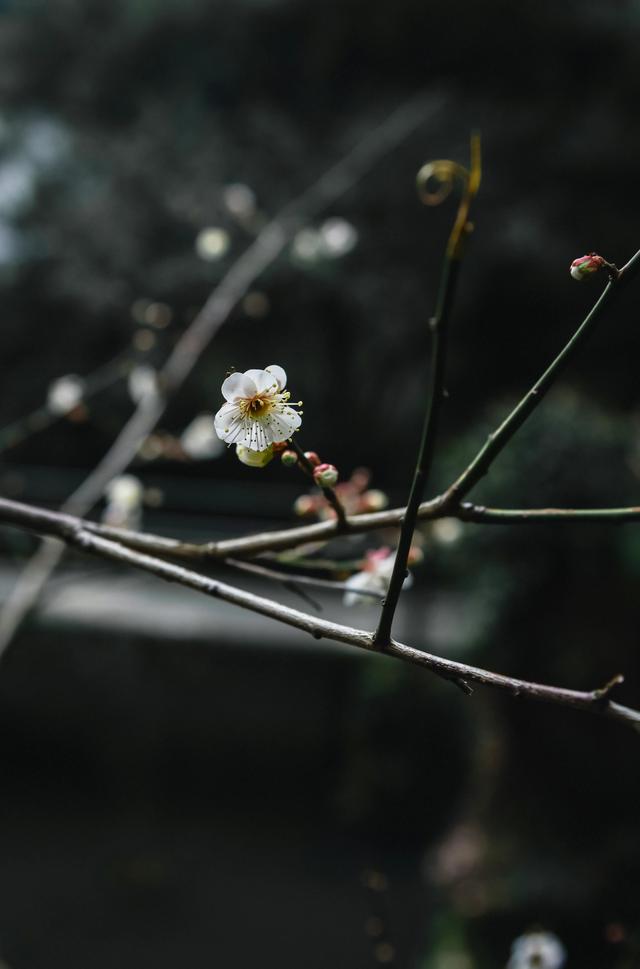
{"x":435,"y":182}
{"x":442,"y":175}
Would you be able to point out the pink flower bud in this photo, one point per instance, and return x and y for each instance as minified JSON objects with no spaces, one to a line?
{"x":416,"y":555}
{"x":304,"y":505}
{"x":312,"y":458}
{"x":289,"y":458}
{"x":325,"y":475}
{"x":373,"y":500}
{"x":586,"y":266}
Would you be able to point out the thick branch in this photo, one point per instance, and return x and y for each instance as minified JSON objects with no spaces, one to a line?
{"x":289,"y":538}
{"x":66,"y":527}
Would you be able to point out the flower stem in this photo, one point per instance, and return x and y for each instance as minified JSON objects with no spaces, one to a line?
{"x":329,"y":493}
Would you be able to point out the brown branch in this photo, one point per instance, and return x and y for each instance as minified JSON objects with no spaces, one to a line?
{"x":70,"y":531}
{"x":265,"y":249}
{"x":525,"y":516}
{"x":289,"y":538}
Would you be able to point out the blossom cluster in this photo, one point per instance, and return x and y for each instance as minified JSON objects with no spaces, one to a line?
{"x":354,"y":495}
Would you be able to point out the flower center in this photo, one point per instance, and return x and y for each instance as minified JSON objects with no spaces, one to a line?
{"x":257,"y":406}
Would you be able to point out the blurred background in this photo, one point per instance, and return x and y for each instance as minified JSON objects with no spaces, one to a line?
{"x":182,"y":783}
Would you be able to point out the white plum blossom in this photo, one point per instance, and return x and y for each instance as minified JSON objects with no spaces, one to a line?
{"x":257,"y":413}
{"x":537,"y":950}
{"x":142,"y":383}
{"x":374,"y":577}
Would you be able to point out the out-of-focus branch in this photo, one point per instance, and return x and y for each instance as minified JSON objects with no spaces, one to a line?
{"x":265,"y":249}
{"x":44,"y":417}
{"x":66,"y":528}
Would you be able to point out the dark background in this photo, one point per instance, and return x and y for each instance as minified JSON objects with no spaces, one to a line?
{"x":181,"y":785}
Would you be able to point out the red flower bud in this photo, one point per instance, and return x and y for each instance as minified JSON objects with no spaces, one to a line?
{"x":586,"y":265}
{"x":312,"y":458}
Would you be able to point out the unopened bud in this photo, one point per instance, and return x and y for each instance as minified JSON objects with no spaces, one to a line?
{"x":312,"y":458}
{"x":289,"y":458}
{"x":586,"y":266}
{"x":374,"y":500}
{"x":254,"y":459}
{"x":304,"y":505}
{"x":325,"y":475}
{"x":416,"y":555}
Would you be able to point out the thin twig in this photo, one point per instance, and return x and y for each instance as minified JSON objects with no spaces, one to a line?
{"x":268,"y":245}
{"x":65,"y":527}
{"x":328,"y":493}
{"x":497,"y":441}
{"x":295,"y":578}
{"x":439,"y":325}
{"x":525,"y":516}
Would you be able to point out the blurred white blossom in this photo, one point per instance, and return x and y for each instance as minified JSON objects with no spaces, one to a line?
{"x":199,"y":439}
{"x":537,"y":950}
{"x":212,"y":243}
{"x":374,"y":577}
{"x":333,"y":239}
{"x":240,"y":201}
{"x":307,"y":245}
{"x":142,"y":382}
{"x":65,"y":393}
{"x":124,"y":502}
{"x":337,"y":237}
{"x":447,"y":531}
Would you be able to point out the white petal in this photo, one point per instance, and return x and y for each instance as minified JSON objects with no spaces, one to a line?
{"x":384,"y":569}
{"x":280,"y":425}
{"x":264,"y":381}
{"x":225,"y":419}
{"x":237,"y":386}
{"x":279,"y":374}
{"x":361,"y":580}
